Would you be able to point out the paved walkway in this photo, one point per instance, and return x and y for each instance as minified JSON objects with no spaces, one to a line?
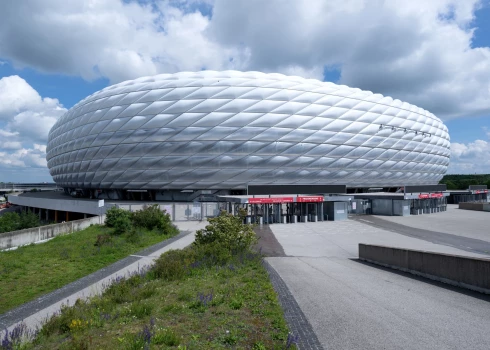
{"x":460,"y":222}
{"x":35,"y":312}
{"x":352,"y":305}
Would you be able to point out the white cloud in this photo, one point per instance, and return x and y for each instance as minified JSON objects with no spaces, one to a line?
{"x":472,"y":157}
{"x":26,"y":121}
{"x":11,"y":145}
{"x":16,"y":95}
{"x":40,"y":148}
{"x":107,"y":38}
{"x":418,"y":50}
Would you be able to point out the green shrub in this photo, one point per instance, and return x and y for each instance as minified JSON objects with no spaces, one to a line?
{"x":213,"y":253}
{"x":13,"y":221}
{"x":122,"y":225}
{"x":174,"y":264}
{"x":28,"y":220}
{"x":152,"y":217}
{"x":9,"y":222}
{"x":228,"y":232}
{"x":113,"y":214}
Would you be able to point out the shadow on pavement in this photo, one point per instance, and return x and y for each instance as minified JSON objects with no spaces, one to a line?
{"x":268,"y":243}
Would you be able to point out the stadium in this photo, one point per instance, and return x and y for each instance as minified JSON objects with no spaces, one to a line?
{"x":211,"y":132}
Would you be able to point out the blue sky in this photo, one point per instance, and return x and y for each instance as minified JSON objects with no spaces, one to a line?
{"x":66,"y":61}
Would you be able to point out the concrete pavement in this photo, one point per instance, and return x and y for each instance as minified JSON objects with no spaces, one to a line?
{"x":352,"y":305}
{"x":341,"y":239}
{"x":460,"y":222}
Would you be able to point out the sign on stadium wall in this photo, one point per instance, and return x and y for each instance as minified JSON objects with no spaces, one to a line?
{"x":309,"y":199}
{"x":273,"y":200}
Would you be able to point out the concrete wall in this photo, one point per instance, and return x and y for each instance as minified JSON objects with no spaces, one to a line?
{"x":190,"y":211}
{"x":475,"y":206}
{"x":467,"y":272}
{"x":36,"y":234}
{"x":336,"y":210}
{"x":382,"y":207}
{"x":401,"y":207}
{"x":73,"y":204}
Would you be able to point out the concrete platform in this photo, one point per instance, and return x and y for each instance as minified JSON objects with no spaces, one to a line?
{"x":465,"y":223}
{"x":353,"y":305}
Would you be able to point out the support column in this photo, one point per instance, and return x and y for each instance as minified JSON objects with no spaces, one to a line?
{"x":47,"y":215}
{"x":67,"y":216}
{"x":56,"y":216}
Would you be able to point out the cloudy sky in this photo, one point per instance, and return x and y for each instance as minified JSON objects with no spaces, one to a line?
{"x":53,"y":53}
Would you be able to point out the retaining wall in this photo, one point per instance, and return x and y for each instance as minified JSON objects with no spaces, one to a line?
{"x":474,"y":206}
{"x":36,"y":234}
{"x":462,"y":271}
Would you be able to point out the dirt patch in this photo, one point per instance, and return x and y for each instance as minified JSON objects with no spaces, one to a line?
{"x":268,"y":243}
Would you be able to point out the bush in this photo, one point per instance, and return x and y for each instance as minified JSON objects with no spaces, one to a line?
{"x":228,"y":232}
{"x":28,"y":220}
{"x":174,"y":264}
{"x":9,"y":222}
{"x":113,"y":214}
{"x":13,"y":221}
{"x":119,"y":219}
{"x":152,"y":217}
{"x":122,"y":225}
{"x":211,"y":254}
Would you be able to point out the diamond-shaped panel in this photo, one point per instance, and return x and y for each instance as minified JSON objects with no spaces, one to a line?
{"x":230,"y":129}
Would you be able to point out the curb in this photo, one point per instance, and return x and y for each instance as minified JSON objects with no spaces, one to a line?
{"x":295,"y":318}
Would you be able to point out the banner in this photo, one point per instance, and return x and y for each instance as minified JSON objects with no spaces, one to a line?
{"x":309,"y":199}
{"x":270,"y":200}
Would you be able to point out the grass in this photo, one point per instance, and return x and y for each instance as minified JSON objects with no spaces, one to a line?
{"x":34,"y":270}
{"x":210,"y":306}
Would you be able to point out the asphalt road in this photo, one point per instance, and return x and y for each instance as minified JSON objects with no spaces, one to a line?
{"x":353,"y":305}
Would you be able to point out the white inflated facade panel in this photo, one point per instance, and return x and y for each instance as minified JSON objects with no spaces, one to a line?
{"x":226,"y":130}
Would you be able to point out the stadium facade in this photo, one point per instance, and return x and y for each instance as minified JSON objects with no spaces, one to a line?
{"x":224,"y":131}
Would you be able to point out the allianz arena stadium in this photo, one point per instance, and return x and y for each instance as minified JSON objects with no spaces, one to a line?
{"x":227,"y":130}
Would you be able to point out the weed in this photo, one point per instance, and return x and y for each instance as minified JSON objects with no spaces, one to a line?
{"x":134,"y":236}
{"x":229,"y":338}
{"x":184,"y":295}
{"x":166,"y":337}
{"x":259,"y":346}
{"x":236,"y":303}
{"x":141,"y":310}
{"x":14,"y":338}
{"x":103,"y":239}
